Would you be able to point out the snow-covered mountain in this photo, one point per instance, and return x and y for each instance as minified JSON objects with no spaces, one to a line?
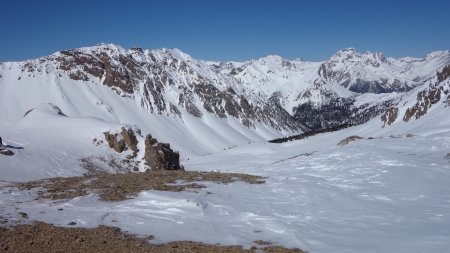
{"x":72,"y":111}
{"x":203,"y":106}
{"x":269,"y":91}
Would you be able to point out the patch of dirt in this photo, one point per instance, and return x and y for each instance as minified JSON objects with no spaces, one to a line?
{"x":117,"y":187}
{"x":107,"y":164}
{"x":42,"y":237}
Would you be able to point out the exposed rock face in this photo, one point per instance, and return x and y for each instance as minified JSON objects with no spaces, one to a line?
{"x":430,"y":96}
{"x":389,"y":116}
{"x":115,"y":142}
{"x":160,"y":156}
{"x":444,"y":74}
{"x":150,"y":75}
{"x":130,"y":139}
{"x":425,"y":99}
{"x":436,"y":90}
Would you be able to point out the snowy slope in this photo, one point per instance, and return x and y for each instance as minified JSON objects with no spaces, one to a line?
{"x":388,"y":193}
{"x":197,"y":106}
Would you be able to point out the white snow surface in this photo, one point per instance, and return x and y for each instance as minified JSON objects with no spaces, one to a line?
{"x":388,"y":194}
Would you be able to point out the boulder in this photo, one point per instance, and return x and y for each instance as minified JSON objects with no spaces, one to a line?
{"x":159,"y":156}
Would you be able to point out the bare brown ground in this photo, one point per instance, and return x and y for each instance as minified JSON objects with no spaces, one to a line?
{"x":117,"y":187}
{"x":42,"y":237}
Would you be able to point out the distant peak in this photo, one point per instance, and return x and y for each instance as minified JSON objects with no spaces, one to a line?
{"x":272,"y":58}
{"x":109,"y":46}
{"x":99,"y":47}
{"x":180,"y":54}
{"x":349,"y":49}
{"x":174,"y":52}
{"x":437,"y":54}
{"x":345,"y":53}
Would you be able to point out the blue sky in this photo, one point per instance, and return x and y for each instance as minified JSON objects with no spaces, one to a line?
{"x":227,"y":30}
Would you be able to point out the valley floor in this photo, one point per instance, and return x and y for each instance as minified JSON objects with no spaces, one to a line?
{"x":386,"y":194}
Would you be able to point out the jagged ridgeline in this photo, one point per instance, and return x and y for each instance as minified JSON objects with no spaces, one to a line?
{"x":288,"y":96}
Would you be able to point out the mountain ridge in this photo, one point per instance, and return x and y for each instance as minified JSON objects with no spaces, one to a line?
{"x":286,"y":95}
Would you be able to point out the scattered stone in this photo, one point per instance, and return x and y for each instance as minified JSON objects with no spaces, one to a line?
{"x":72,"y":223}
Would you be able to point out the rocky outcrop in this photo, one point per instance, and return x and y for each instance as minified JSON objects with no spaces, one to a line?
{"x":435,"y":90}
{"x":429,"y":96}
{"x":115,"y":142}
{"x":129,"y":137}
{"x":125,"y":140}
{"x":443,"y":74}
{"x":389,"y":116}
{"x":425,"y":99}
{"x":159,"y":156}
